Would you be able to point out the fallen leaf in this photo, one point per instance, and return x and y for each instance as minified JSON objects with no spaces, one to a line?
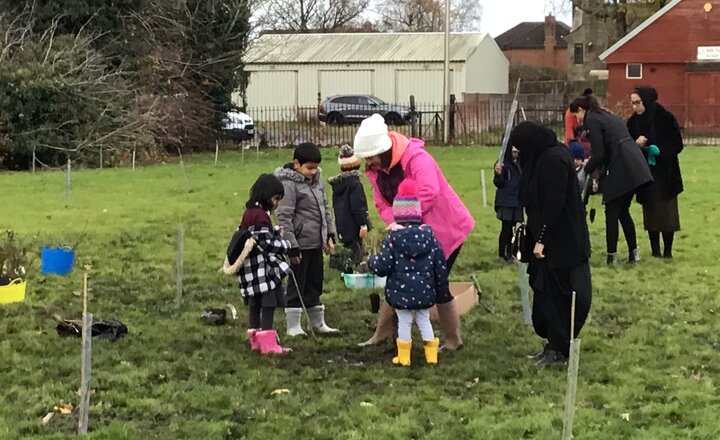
{"x":47,"y":418}
{"x":625,"y":416}
{"x":280,"y":391}
{"x":65,"y":408}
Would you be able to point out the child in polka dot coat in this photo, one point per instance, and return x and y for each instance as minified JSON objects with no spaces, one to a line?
{"x":415,"y":267}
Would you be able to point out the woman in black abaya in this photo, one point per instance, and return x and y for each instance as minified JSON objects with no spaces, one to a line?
{"x":557,"y":241}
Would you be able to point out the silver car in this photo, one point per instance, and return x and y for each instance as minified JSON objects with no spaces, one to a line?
{"x":352,"y":109}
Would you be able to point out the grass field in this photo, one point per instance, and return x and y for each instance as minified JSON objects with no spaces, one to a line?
{"x":650,"y":364}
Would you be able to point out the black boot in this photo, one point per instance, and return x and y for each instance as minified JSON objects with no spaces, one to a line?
{"x":668,"y":238}
{"x":550,"y":358}
{"x":655,"y":243}
{"x":634,"y":256}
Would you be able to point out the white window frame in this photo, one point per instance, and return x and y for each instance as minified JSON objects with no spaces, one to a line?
{"x":627,"y":71}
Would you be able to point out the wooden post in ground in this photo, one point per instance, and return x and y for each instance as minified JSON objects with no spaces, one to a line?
{"x":86,"y":363}
{"x":179,"y":263}
{"x":67,"y":179}
{"x":101,"y":157}
{"x":133,"y":156}
{"x":484,"y":189}
{"x":573,"y":368}
{"x":34,"y":159}
{"x":217,"y":151}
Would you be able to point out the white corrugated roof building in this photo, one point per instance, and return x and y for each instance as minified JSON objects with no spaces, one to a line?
{"x":292,"y":69}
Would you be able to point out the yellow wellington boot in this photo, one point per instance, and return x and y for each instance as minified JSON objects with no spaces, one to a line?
{"x":431,"y":350}
{"x":403,"y":357}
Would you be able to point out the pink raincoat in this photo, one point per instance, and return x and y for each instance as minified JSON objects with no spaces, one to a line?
{"x":442,"y":208}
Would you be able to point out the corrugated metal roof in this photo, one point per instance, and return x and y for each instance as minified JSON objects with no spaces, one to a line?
{"x":359,"y":47}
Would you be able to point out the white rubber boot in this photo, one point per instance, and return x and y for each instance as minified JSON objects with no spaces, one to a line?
{"x":293,"y":316}
{"x":317,"y":320}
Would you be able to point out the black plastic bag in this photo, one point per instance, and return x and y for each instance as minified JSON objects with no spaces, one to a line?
{"x":109,"y":329}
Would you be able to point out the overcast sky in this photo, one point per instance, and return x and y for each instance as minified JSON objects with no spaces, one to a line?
{"x":500,"y":15}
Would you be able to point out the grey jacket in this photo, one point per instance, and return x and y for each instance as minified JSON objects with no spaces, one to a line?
{"x":304,"y":213}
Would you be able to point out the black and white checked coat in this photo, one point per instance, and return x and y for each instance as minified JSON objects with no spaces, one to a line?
{"x":265,"y":267}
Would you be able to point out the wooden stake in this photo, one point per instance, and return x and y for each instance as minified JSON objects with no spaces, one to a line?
{"x":573,"y":369}
{"x":86,"y":363}
{"x":34,"y":159}
{"x":101,"y":157}
{"x":217,"y":151}
{"x":179,"y":263}
{"x":133,"y":156}
{"x":67,"y":179}
{"x":484,"y":189}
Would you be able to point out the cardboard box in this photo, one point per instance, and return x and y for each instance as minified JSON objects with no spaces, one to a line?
{"x":465,"y":298}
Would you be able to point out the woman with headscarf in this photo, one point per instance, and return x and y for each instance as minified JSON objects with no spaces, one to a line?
{"x":623,"y":171}
{"x":656,"y":131}
{"x":557,"y":244}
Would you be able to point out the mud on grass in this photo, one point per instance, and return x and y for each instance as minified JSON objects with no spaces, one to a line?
{"x":649,"y":364}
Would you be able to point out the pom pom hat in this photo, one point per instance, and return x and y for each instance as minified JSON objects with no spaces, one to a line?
{"x":347,"y":159}
{"x":372,"y":137}
{"x":406,"y":206}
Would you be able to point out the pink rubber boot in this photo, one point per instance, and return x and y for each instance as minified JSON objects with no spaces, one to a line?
{"x":267,"y":339}
{"x":252,"y":337}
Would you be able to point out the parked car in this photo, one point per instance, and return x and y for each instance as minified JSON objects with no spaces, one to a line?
{"x":237,"y":126}
{"x":352,"y":109}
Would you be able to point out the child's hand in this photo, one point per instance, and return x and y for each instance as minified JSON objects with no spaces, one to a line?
{"x":642,"y":141}
{"x":363,"y":231}
{"x":394,"y":227}
{"x":498,"y":168}
{"x":330,"y":249}
{"x":296,"y":260}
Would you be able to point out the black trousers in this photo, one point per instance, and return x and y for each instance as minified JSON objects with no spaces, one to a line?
{"x":552,"y":302}
{"x":505,"y":239}
{"x":445,"y":296}
{"x":309,"y":275}
{"x":618,"y":210}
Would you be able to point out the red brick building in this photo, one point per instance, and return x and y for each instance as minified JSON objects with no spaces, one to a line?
{"x":677,"y":51}
{"x":536,"y":44}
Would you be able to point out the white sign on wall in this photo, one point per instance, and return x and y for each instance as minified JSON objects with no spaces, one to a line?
{"x":708,"y":53}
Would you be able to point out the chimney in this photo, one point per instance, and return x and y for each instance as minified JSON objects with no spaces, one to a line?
{"x":550,"y":30}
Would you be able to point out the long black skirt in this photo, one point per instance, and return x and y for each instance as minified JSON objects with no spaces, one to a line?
{"x":552,"y":301}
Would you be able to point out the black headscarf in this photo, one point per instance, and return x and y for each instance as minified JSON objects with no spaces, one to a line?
{"x":532,"y":140}
{"x":646,"y":121}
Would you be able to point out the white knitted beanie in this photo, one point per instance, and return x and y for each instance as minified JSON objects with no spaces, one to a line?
{"x":372,"y":137}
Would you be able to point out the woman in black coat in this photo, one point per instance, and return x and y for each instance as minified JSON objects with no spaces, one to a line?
{"x":652,"y":125}
{"x":557,"y":244}
{"x":622,"y":167}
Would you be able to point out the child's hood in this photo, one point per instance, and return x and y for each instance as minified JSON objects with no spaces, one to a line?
{"x":336,"y":181}
{"x":287,"y":172}
{"x":414,"y":241}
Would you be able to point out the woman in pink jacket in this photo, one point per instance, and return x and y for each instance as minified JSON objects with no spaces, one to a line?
{"x":391,"y":157}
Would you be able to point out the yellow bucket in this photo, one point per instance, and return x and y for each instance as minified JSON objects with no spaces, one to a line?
{"x":13,"y":292}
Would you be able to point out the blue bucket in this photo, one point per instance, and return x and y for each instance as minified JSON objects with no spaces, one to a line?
{"x":57,"y":260}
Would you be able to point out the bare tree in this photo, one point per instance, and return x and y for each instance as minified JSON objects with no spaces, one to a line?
{"x":624,"y":14}
{"x":309,"y":15}
{"x":429,"y":15}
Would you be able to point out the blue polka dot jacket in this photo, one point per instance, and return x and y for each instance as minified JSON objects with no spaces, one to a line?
{"x":415,"y":267}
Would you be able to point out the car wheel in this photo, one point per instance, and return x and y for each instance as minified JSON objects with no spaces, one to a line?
{"x":335,"y":119}
{"x":393,"y":119}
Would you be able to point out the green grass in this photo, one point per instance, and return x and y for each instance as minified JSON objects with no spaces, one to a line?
{"x":649,"y":349}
